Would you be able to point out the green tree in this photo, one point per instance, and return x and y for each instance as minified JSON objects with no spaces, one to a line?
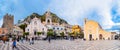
{"x":26,"y":34}
{"x":23,"y":26}
{"x":75,"y":34}
{"x":70,"y":34}
{"x":81,"y":35}
{"x":50,"y":32}
{"x":39,"y":33}
{"x":62,"y":34}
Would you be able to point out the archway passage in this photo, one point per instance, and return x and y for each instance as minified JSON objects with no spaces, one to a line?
{"x":100,"y":36}
{"x":90,"y":37}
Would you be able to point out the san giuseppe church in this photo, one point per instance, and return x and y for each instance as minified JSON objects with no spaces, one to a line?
{"x":93,"y":31}
{"x":36,"y":25}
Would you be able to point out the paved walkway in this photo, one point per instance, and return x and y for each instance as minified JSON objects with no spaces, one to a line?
{"x":66,"y":45}
{"x":20,"y":46}
{"x":1,"y":44}
{"x":77,"y":45}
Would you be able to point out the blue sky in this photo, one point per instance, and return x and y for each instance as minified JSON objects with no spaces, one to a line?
{"x":106,"y":12}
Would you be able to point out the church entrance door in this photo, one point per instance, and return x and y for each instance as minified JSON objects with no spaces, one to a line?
{"x":100,"y":37}
{"x":90,"y":37}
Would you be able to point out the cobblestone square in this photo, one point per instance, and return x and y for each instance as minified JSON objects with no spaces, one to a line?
{"x":66,"y":45}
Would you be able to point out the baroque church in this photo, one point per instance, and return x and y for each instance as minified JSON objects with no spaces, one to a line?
{"x":36,"y":25}
{"x":93,"y":31}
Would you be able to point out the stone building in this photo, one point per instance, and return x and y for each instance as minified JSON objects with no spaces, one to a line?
{"x":57,"y":27}
{"x":93,"y":31}
{"x":113,"y":34}
{"x":8,"y":22}
{"x":3,"y":31}
{"x":76,"y":29}
{"x":17,"y":30}
{"x":48,"y":18}
{"x":37,"y":26}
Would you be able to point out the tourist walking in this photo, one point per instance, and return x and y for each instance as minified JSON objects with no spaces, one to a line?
{"x":33,"y":40}
{"x":49,"y":39}
{"x":14,"y":44}
{"x":22,"y":39}
{"x":30,"y":41}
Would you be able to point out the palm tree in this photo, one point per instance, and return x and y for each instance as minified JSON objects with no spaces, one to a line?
{"x":23,"y":26}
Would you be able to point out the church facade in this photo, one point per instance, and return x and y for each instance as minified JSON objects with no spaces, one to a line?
{"x":93,"y":31}
{"x":37,"y":26}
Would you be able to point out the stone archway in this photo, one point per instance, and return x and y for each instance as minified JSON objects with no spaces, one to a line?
{"x":90,"y":36}
{"x":100,"y":36}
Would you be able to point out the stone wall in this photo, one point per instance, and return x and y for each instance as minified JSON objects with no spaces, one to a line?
{"x":8,"y":22}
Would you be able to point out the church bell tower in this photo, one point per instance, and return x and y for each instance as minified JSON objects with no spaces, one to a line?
{"x":48,"y":18}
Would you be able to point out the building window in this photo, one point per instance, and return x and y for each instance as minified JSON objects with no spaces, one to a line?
{"x":43,"y":29}
{"x":53,"y":28}
{"x":35,"y":22}
{"x":28,"y":29}
{"x":61,"y":28}
{"x":57,"y":28}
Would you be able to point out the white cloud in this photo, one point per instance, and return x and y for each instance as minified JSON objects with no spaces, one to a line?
{"x":75,"y":10}
{"x":1,"y":22}
{"x":118,"y":6}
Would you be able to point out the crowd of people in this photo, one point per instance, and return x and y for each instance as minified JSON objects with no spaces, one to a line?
{"x":30,"y":40}
{"x":16,"y":39}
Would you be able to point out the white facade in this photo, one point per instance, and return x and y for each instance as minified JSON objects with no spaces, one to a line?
{"x":17,"y":31}
{"x":35,"y":26}
{"x":58,"y":29}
